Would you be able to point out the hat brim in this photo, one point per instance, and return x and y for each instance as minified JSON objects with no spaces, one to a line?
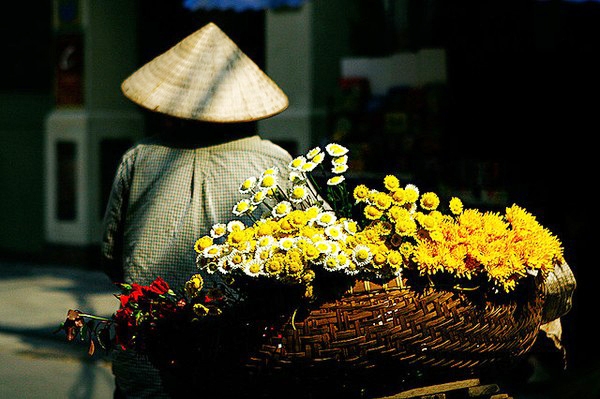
{"x":206,"y":77}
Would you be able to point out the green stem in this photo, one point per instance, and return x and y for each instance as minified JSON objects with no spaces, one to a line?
{"x":94,"y":317}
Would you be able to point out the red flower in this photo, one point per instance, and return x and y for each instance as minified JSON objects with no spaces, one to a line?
{"x":159,"y":286}
{"x":124,"y":327}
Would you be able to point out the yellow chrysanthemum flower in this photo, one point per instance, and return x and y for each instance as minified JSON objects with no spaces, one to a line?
{"x":308,"y":276}
{"x":411,"y":193}
{"x":456,"y":205}
{"x":294,"y":268}
{"x":361,"y":193}
{"x":236,"y":238}
{"x":194,"y":285}
{"x":382,"y":201}
{"x":394,"y":259}
{"x":429,"y":201}
{"x":297,"y":218}
{"x":275,"y":265}
{"x":399,"y":196}
{"x":372,"y":212}
{"x":406,"y":227}
{"x":311,"y":252}
{"x":391,"y":183}
{"x":202,"y":243}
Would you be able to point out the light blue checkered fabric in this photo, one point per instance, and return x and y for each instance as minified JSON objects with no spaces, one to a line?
{"x":163,"y":199}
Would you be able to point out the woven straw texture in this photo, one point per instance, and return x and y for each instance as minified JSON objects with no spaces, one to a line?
{"x":429,"y":329}
{"x":206,"y":77}
{"x":559,"y":287}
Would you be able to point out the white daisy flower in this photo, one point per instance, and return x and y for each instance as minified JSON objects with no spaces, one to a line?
{"x":372,"y":194}
{"x":331,"y":263}
{"x":336,"y":150}
{"x":212,"y":251}
{"x":351,"y":269}
{"x":253,"y":268}
{"x":236,"y":259}
{"x":258,"y":197}
{"x":262,"y":254}
{"x":339,"y":169}
{"x":296,"y":163}
{"x":335,"y":247}
{"x":223,"y":265}
{"x":362,"y":255}
{"x":265,"y":241}
{"x":243,"y":207}
{"x":286,"y":243}
{"x":248,"y":185}
{"x":343,"y":160}
{"x":245,"y":247}
{"x":296,"y":177}
{"x":211,"y":267}
{"x":314,"y":152}
{"x":281,"y":209}
{"x":335,"y":180}
{"x":298,"y":193}
{"x":271,"y":171}
{"x":218,"y":230}
{"x":315,"y":211}
{"x":235,"y":225}
{"x":413,"y":207}
{"x":350,"y":227}
{"x":335,"y":232}
{"x":326,"y":218}
{"x":318,"y":158}
{"x":323,"y":247}
{"x":343,"y":259}
{"x":308,"y":166}
{"x":412,"y":187}
{"x":267,"y":182}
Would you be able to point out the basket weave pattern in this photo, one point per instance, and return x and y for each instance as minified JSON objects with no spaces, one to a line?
{"x":429,"y":328}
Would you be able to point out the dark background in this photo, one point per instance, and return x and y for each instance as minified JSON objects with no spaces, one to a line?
{"x":522,"y":93}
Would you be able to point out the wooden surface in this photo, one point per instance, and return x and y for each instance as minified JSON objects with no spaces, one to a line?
{"x":469,"y":388}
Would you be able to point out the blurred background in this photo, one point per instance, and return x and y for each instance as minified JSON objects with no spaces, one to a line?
{"x":492,"y":101}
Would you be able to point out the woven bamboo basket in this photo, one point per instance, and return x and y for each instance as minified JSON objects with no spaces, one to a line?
{"x":374,"y":337}
{"x":427,"y":329}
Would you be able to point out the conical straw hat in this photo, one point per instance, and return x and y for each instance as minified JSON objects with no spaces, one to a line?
{"x":208,"y":78}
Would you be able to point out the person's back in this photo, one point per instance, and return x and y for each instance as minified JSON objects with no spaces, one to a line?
{"x":172,"y":188}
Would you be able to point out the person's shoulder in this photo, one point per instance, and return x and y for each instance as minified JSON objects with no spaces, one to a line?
{"x":276,"y":148}
{"x":273,"y":149}
{"x":254,"y":146}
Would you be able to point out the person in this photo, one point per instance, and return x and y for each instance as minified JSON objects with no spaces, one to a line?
{"x":170,"y":188}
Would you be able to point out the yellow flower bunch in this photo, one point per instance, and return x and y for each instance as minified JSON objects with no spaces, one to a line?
{"x":463,"y":243}
{"x":308,"y":230}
